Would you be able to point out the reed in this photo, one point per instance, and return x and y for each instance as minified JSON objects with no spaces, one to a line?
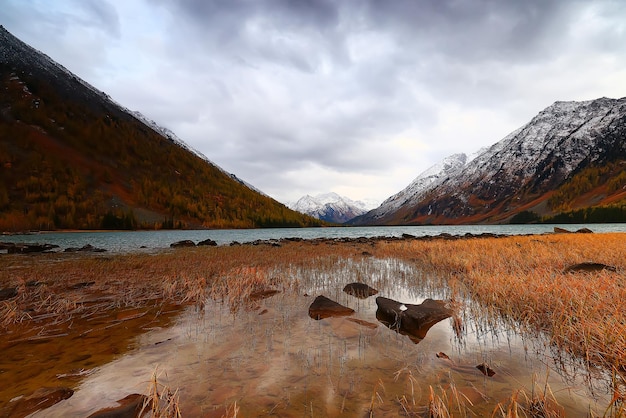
{"x":160,"y":402}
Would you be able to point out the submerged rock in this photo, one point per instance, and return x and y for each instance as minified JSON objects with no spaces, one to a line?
{"x":40,"y":399}
{"x":129,"y":407}
{"x":588,"y":268}
{"x":262,"y":294}
{"x":323,"y":307}
{"x":413,"y":321}
{"x":485,"y":369}
{"x":360,"y":290}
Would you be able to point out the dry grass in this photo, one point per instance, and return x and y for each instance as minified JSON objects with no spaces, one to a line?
{"x":522,"y":278}
{"x":161,"y":401}
{"x":58,"y":286}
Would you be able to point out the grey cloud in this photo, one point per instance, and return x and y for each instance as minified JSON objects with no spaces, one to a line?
{"x":100,"y":13}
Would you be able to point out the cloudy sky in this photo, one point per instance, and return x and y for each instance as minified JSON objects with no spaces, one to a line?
{"x":356,"y":97}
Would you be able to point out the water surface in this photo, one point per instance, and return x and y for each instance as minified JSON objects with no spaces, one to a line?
{"x":127,"y":241}
{"x":269,"y":357}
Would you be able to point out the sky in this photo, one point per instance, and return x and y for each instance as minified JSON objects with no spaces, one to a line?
{"x":355,"y":97}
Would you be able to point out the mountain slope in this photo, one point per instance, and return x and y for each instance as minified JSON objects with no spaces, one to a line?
{"x":70,"y":157}
{"x":572,"y":155}
{"x":329,"y":207}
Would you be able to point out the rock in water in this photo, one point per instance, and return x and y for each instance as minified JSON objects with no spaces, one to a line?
{"x":413,"y":321}
{"x":322,"y":307}
{"x":360,"y":290}
{"x":485,"y":369}
{"x":207,"y":242}
{"x":40,"y":399}
{"x":129,"y":407}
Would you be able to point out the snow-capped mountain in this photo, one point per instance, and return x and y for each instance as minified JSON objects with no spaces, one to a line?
{"x":520,"y":172}
{"x":330,"y":207}
{"x":426,"y":181}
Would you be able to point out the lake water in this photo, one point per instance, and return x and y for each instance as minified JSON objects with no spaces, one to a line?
{"x":270,"y":358}
{"x":129,"y":241}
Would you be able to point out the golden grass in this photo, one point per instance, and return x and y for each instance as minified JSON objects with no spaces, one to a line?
{"x":522,"y":278}
{"x":161,"y":402}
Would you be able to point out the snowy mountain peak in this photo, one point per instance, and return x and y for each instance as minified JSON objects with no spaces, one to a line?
{"x":330,"y":207}
{"x":522,"y":170}
{"x":427,"y":180}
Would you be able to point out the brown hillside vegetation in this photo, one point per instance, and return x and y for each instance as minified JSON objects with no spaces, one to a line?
{"x":65,"y":163}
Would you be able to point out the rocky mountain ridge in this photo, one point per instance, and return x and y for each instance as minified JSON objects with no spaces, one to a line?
{"x":520,"y":172}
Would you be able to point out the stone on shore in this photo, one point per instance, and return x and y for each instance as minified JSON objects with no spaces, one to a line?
{"x":183,"y":243}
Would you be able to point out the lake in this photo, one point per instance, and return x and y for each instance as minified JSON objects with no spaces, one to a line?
{"x":130,"y":241}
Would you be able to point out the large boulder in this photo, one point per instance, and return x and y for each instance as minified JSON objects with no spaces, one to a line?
{"x":322,"y":307}
{"x":413,"y":321}
{"x":360,"y":290}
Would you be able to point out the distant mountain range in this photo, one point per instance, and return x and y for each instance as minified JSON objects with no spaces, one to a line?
{"x":70,"y":157}
{"x":331,"y":207}
{"x":568,"y":164}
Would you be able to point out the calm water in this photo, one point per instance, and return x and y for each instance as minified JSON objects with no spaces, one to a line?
{"x":271,"y":359}
{"x":125,"y":241}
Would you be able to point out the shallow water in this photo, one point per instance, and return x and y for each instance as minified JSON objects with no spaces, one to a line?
{"x":270,"y":357}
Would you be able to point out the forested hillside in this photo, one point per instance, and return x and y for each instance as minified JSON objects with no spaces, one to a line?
{"x":71,"y":158}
